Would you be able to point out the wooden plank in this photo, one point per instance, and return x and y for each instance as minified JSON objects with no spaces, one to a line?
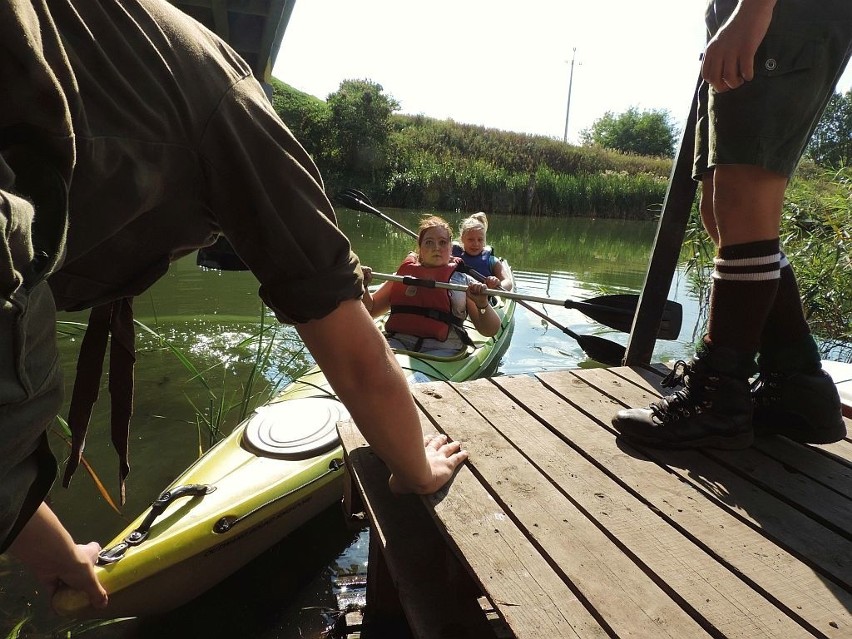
{"x":832,"y":508}
{"x":798,"y":458}
{"x":624,"y":597}
{"x":415,"y":553}
{"x":704,"y":586}
{"x":533,"y":599}
{"x":841,"y":373}
{"x":806,"y":584}
{"x":788,"y":526}
{"x":839,"y":451}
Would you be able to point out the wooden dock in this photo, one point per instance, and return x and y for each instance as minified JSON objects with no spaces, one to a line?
{"x":555,"y":528}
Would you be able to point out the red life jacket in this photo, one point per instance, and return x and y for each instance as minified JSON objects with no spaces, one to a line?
{"x":422,"y":311}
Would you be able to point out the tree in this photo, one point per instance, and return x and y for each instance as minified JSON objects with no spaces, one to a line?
{"x":306,"y":117}
{"x":360,"y":126}
{"x":638,"y":132}
{"x":831,"y":143}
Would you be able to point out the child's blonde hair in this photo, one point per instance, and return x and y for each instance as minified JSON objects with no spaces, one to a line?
{"x":475,"y":221}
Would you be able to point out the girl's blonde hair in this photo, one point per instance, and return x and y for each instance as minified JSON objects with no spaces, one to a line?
{"x":475,"y":221}
{"x":431,"y":222}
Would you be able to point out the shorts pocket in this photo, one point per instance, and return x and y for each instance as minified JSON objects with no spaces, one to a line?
{"x":779,"y":55}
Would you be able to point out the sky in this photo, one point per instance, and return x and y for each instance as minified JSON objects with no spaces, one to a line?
{"x":502,"y":64}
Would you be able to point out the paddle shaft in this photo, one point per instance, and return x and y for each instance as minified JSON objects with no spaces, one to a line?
{"x":597,"y":348}
{"x":508,"y":294}
{"x":416,"y":281}
{"x":615,"y":311}
{"x":371,"y":209}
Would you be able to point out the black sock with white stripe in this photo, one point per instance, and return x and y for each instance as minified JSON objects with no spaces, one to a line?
{"x":745,"y":283}
{"x":786,"y":343}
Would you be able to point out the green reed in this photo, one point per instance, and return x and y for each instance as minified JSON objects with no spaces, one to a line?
{"x":231,"y":387}
{"x":473,"y":184}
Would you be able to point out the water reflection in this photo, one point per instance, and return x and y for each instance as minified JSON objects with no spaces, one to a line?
{"x":213,"y":318}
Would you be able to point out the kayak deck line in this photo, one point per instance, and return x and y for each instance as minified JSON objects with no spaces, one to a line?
{"x":555,"y":528}
{"x":227,"y":523}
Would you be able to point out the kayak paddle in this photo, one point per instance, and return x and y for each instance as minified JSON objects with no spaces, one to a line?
{"x":615,"y":311}
{"x":598,"y":348}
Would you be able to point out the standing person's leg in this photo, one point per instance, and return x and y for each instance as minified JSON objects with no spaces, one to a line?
{"x":793,"y":396}
{"x":746,"y":207}
{"x":742,"y":210}
{"x":748,"y":141}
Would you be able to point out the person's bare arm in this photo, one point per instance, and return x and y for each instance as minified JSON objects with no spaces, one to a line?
{"x":378,"y":302}
{"x":504,"y":275}
{"x":486,"y":324}
{"x":729,"y":56}
{"x":363,"y":372}
{"x":46,"y":548}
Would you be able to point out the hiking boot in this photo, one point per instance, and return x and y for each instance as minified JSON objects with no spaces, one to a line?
{"x":804,"y":407}
{"x":713,"y":410}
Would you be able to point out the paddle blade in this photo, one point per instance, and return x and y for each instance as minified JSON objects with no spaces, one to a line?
{"x":349,"y":200}
{"x":359,"y":194}
{"x":601,"y":350}
{"x":616,"y":311}
{"x":356,"y":200}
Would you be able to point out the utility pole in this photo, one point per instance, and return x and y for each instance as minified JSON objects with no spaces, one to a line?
{"x":570,"y":84}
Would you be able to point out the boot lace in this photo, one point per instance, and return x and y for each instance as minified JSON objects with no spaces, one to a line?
{"x":766,"y":388}
{"x":695,"y":396}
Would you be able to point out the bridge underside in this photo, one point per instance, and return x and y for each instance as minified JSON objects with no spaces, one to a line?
{"x":253,"y":27}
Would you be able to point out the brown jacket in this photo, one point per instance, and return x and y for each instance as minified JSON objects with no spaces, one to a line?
{"x":164,"y":139}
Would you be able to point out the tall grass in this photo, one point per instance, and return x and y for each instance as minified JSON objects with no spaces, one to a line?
{"x":469,"y":185}
{"x":448,"y":166}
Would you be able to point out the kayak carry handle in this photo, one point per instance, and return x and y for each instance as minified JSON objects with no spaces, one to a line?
{"x":158,"y":507}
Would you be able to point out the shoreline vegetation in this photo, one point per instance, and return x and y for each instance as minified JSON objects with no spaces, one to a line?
{"x":417,"y":162}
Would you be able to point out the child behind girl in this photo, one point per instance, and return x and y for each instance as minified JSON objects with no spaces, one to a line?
{"x":476,"y":253}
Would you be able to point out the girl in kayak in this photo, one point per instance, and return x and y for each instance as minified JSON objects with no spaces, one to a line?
{"x":430,"y":319}
{"x":476,"y":253}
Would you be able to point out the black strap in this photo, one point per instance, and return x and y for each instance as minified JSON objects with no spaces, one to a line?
{"x":463,"y":336}
{"x":431,"y":313}
{"x":456,"y":323}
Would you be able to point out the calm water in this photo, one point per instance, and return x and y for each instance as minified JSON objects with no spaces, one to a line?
{"x":211,"y":317}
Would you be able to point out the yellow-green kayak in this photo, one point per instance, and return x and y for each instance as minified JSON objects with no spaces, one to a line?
{"x":274,"y":472}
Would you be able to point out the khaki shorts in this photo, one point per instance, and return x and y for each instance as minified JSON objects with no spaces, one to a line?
{"x":768,"y":121}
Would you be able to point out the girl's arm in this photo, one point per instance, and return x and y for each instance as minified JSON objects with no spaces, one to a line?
{"x":377,"y":303}
{"x":503,"y":273}
{"x":487,"y":323}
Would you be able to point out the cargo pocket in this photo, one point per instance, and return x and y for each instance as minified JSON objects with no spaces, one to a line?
{"x":782,"y":54}
{"x":791,"y":74}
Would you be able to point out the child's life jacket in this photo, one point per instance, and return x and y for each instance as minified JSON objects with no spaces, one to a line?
{"x":482,"y":263}
{"x":420,"y":310}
